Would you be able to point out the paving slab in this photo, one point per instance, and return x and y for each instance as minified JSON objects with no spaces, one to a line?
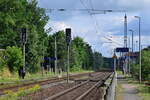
{"x":129,"y":91}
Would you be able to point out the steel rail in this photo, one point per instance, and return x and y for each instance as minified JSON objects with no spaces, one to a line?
{"x":41,"y":82}
{"x":101,"y":82}
{"x":88,"y":91}
{"x":66,"y":91}
{"x":104,"y":76}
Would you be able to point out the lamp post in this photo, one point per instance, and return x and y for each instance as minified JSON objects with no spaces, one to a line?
{"x":139,"y":18}
{"x":132,"y":38}
{"x":132,"y":47}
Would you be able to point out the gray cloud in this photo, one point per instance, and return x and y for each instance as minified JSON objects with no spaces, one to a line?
{"x":108,"y":24}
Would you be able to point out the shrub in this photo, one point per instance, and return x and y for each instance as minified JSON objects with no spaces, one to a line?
{"x":2,"y":61}
{"x":14,"y":58}
{"x":10,"y":95}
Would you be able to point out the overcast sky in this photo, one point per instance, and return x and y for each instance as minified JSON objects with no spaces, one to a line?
{"x":94,"y":28}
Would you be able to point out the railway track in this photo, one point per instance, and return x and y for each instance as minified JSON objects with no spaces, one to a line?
{"x":43,"y":82}
{"x":80,"y":91}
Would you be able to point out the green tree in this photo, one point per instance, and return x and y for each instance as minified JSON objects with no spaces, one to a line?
{"x":37,"y":37}
{"x":145,"y":65}
{"x":98,"y":61}
{"x":89,"y":57}
{"x":81,"y":54}
{"x":61,"y":49}
{"x":16,"y":14}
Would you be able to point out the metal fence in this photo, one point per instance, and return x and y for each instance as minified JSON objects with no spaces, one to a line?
{"x":110,"y":89}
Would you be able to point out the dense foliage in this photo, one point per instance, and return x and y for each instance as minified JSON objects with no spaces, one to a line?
{"x":17,"y":14}
{"x":81,"y":54}
{"x":145,"y":65}
{"x":13,"y":57}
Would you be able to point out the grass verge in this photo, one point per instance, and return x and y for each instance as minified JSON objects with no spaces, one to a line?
{"x":119,"y":91}
{"x":10,"y":95}
{"x":13,"y":80}
{"x":144,"y":92}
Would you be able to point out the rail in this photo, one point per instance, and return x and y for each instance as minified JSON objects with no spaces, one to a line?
{"x":110,"y":91}
{"x":66,"y":91}
{"x":88,"y":91}
{"x":88,"y":86}
{"x":99,"y":83}
{"x":41,"y":82}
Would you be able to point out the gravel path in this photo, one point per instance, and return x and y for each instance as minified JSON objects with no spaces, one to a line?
{"x":129,"y":91}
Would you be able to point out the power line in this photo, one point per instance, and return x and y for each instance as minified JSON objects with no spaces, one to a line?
{"x":92,"y":17}
{"x":109,"y":39}
{"x":91,"y":11}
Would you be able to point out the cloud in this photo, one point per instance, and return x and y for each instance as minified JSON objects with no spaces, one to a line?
{"x":95,"y":28}
{"x":57,"y":3}
{"x":56,"y":26}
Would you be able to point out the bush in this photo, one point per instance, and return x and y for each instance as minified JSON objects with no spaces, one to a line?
{"x":2,"y":61}
{"x":10,"y":95}
{"x":14,"y":58}
{"x":145,"y":66}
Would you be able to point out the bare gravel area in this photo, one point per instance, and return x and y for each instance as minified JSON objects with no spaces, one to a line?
{"x":47,"y":92}
{"x":72,"y":95}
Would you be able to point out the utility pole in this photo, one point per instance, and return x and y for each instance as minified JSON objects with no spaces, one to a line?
{"x":24,"y":57}
{"x":132,"y":41}
{"x":94,"y":61}
{"x":24,"y":40}
{"x":68,"y":40}
{"x":132,"y":46}
{"x":55,"y":55}
{"x":129,"y":55}
{"x":115,"y":57}
{"x":140,"y":72}
{"x":68,"y":67}
{"x":125,"y":41}
{"x":43,"y":58}
{"x":132,"y":38}
{"x":125,"y":31}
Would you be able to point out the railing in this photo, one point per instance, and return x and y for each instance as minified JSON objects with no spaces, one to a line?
{"x":110,"y":88}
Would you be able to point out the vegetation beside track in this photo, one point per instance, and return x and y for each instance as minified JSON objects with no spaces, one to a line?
{"x":31,"y":78}
{"x":145,"y":66}
{"x":144,"y":92}
{"x":18,"y":14}
{"x":143,"y":89}
{"x":14,"y":77}
{"x":118,"y":92}
{"x":10,"y":95}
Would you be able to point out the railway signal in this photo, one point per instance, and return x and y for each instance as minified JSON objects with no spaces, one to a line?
{"x":68,"y":36}
{"x":115,"y":58}
{"x":68,"y":40}
{"x":23,"y":35}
